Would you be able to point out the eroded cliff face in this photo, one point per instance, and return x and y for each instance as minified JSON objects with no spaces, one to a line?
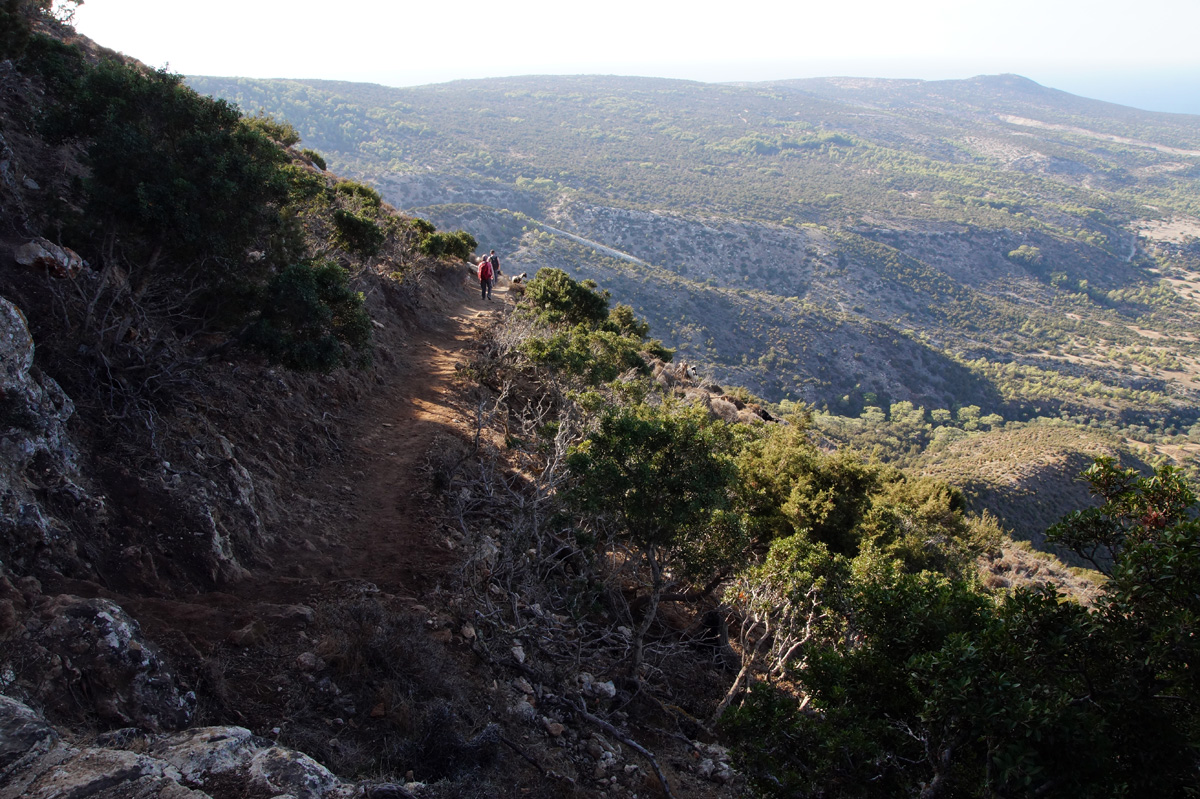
{"x":80,"y":658}
{"x":54,"y":520}
{"x":42,"y":498}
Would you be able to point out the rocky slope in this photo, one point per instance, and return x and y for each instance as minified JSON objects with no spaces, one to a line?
{"x":222,"y":578}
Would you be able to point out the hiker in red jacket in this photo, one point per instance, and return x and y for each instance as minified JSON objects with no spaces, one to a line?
{"x":485,"y":278}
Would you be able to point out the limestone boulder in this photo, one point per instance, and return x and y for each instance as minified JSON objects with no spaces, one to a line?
{"x":58,"y":261}
{"x":24,"y":737}
{"x":234,"y":753}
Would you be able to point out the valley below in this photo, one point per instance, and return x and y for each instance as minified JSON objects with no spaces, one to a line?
{"x":990,"y":247}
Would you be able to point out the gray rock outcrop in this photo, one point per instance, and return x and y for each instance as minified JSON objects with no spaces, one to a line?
{"x":36,"y":456}
{"x":96,"y":662}
{"x":207,"y":514}
{"x":37,"y":763}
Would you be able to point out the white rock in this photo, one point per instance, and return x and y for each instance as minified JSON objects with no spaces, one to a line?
{"x":604,"y":689}
{"x":286,"y":770}
{"x":523,"y":711}
{"x":58,"y":261}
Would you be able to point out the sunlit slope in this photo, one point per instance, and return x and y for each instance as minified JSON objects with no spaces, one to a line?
{"x":983,"y":242}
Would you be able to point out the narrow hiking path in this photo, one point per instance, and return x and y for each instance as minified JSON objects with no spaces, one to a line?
{"x":380,"y":521}
{"x":370,"y":516}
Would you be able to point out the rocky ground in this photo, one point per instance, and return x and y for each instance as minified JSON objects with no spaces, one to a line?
{"x":341,"y":640}
{"x":221,"y":578}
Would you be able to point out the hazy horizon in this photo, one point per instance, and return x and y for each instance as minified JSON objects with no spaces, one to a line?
{"x":1096,"y":49}
{"x":1154,"y":92}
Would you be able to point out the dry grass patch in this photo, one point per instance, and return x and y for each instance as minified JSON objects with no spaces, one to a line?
{"x":1017,"y":564}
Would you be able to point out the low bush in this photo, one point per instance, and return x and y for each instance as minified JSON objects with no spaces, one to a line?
{"x":458,"y":244}
{"x":357,"y":234}
{"x":14,"y":29}
{"x":59,"y":64}
{"x":597,"y":356}
{"x":585,"y":339}
{"x":311,"y":320}
{"x":203,"y":187}
{"x":279,"y":131}
{"x":317,"y":160}
{"x":363,"y":195}
{"x":556,"y":298}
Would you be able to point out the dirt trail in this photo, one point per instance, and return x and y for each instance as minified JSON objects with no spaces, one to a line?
{"x":369,"y":516}
{"x":383,"y":527}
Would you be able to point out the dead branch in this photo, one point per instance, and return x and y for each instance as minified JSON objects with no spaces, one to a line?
{"x":580,"y":707}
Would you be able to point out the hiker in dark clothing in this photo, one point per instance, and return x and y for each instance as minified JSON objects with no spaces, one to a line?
{"x":495,"y":262}
{"x":485,"y":278}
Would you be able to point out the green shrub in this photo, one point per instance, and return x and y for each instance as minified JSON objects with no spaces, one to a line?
{"x":435,"y":244}
{"x":598,"y":356}
{"x":303,"y":185}
{"x":202,"y":188}
{"x":14,"y":29}
{"x":1025,"y":254}
{"x":59,"y":64}
{"x":923,"y":680}
{"x":279,"y":131}
{"x":659,"y":475}
{"x":357,"y":234}
{"x":466,"y":244}
{"x":317,"y":160}
{"x":558,"y":299}
{"x":366,"y":196}
{"x":311,"y":320}
{"x":588,"y":340}
{"x":622,"y":321}
{"x":458,"y":244}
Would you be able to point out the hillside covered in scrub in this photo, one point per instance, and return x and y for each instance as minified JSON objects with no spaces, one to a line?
{"x":845,"y":243}
{"x":287,"y":508}
{"x":986,"y":253}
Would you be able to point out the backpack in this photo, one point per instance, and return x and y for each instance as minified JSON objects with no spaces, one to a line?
{"x":485,"y":269}
{"x":495,"y":262}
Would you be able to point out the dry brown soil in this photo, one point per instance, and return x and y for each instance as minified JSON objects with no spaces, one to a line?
{"x":379,"y":520}
{"x":368,"y":517}
{"x":384,"y":525}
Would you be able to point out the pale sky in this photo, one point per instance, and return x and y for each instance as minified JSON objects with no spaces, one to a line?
{"x":1140,"y":53}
